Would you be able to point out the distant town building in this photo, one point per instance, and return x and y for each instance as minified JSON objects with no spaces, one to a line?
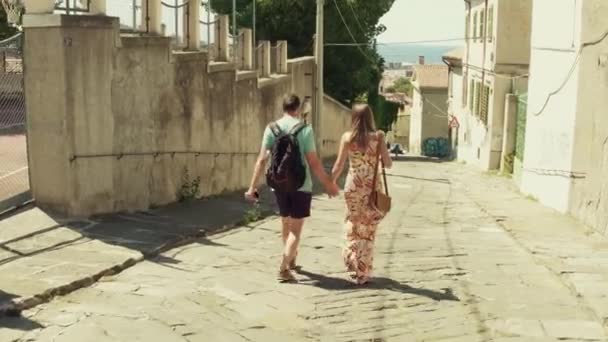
{"x":429,"y":105}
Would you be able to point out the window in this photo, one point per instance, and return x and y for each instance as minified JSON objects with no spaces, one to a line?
{"x":482,"y":24}
{"x":485,"y":101}
{"x":490,"y":33}
{"x":475,"y":27}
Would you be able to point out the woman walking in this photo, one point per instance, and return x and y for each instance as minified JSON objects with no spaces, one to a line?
{"x":361,"y":146}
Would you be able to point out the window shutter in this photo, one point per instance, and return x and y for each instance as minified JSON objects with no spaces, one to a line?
{"x":485,"y":104}
{"x":477,"y":97}
{"x":490,"y":24}
{"x":482,"y":24}
{"x":475,"y":27}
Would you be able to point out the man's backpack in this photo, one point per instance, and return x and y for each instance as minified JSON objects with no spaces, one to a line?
{"x":287,"y":172}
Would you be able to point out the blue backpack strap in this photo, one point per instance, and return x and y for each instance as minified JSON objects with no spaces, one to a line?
{"x":275,"y":129}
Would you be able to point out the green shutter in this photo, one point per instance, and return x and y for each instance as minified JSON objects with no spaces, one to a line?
{"x":485,"y":104}
{"x":482,"y":24}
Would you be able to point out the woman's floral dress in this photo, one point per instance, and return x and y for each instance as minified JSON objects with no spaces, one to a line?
{"x":361,"y":221}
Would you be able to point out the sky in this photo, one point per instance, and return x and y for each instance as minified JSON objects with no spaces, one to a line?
{"x":414,"y":20}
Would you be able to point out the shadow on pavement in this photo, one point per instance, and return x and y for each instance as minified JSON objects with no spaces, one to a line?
{"x":19,"y":323}
{"x":376,"y":283}
{"x":419,"y":159}
{"x":436,"y":180}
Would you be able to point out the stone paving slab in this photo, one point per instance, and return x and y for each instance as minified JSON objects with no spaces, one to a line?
{"x":454,"y":262}
{"x":42,"y":255}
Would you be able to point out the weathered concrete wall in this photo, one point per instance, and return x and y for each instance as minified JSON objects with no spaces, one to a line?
{"x":335,"y":120}
{"x":513,"y":23}
{"x":416,"y":123}
{"x":113,"y":122}
{"x":401,"y":128}
{"x":550,"y":125}
{"x":589,"y":194}
{"x":429,"y":117}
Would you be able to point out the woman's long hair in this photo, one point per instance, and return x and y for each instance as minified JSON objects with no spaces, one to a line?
{"x":362,"y":125}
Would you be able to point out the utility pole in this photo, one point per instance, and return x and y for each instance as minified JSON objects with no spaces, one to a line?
{"x":254,"y":22}
{"x":235,"y":37}
{"x":319,"y":76}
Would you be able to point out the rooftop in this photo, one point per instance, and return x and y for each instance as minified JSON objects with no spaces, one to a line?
{"x":456,"y":54}
{"x":431,"y":76}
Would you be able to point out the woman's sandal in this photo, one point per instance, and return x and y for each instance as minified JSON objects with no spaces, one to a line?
{"x":285,"y":276}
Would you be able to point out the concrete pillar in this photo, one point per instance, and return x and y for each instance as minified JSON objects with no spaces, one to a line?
{"x":69,"y":110}
{"x":246,"y":47}
{"x":98,"y":7}
{"x":192,"y":25}
{"x":221,"y":38}
{"x":509,"y":130}
{"x":264,"y":58}
{"x":281,"y":57}
{"x":39,"y":6}
{"x":151,"y":16}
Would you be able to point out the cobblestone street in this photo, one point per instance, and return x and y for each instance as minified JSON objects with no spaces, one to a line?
{"x":462,"y":257}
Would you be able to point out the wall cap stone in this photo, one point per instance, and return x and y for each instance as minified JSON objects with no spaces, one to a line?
{"x":273,"y":79}
{"x":62,"y":20}
{"x":220,"y":67}
{"x":336,"y":102}
{"x":243,"y":75}
{"x":301,"y":60}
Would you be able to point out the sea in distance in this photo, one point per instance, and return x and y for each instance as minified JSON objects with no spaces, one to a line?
{"x":409,"y":53}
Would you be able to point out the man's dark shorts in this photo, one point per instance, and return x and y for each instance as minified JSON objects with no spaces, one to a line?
{"x":294,"y":204}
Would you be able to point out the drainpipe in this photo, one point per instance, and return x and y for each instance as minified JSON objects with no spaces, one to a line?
{"x":485,"y":45}
{"x":467,"y":42}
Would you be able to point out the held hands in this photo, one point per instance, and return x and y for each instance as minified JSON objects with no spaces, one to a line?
{"x":332,"y":189}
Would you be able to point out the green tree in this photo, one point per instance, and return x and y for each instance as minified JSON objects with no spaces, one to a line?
{"x":403,"y":85}
{"x":6,"y":30}
{"x":350,"y":71}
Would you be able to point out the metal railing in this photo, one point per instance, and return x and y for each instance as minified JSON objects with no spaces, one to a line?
{"x":14,"y":180}
{"x":180,"y":19}
{"x":208,"y":25}
{"x":73,"y":6}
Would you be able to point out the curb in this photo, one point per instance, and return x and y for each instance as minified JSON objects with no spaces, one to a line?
{"x":17,"y":305}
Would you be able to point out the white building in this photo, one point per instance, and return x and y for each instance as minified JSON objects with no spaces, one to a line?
{"x":566,"y":142}
{"x":495,"y":63}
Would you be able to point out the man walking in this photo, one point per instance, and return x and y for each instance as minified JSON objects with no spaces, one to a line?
{"x":294,"y":201}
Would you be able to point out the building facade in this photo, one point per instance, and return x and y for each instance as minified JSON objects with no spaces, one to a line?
{"x":565,"y":163}
{"x":495,"y":63}
{"x":455,"y":97}
{"x":428,"y":117}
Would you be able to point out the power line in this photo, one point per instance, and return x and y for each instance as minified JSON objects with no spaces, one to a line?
{"x":570,"y":73}
{"x":351,"y":34}
{"x":355,"y":15}
{"x":427,"y":41}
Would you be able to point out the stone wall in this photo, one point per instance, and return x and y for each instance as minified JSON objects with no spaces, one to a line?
{"x":336,"y":120}
{"x":117,"y":121}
